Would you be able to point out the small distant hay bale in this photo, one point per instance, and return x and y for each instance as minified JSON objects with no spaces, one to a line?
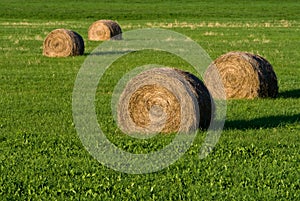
{"x":63,"y":43}
{"x":244,"y":76}
{"x":164,"y":100}
{"x":104,"y":30}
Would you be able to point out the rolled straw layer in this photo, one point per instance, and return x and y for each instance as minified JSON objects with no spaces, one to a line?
{"x":244,"y":76}
{"x":104,"y":30}
{"x":63,"y":43}
{"x":164,"y":100}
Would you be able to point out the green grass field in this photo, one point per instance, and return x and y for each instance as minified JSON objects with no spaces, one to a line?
{"x":42,"y":157}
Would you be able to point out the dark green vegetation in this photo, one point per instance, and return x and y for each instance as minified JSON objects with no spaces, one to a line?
{"x":150,"y":10}
{"x":41,"y":156}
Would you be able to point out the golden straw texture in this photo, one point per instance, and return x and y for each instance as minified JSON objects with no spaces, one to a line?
{"x":63,"y":43}
{"x":244,"y":76}
{"x":164,"y":100}
{"x":104,"y":30}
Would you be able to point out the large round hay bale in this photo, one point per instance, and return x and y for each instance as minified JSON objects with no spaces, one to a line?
{"x":164,"y":100}
{"x":63,"y":43}
{"x":244,"y":76}
{"x":104,"y":30}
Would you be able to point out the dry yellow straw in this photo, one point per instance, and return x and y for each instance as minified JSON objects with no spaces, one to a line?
{"x":164,"y":100}
{"x":63,"y":43}
{"x":104,"y":30}
{"x":244,"y":75}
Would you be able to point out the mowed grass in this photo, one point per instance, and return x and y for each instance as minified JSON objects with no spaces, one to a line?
{"x":42,"y":157}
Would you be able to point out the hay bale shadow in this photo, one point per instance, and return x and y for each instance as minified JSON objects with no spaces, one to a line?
{"x":295,"y":93}
{"x":262,"y":122}
{"x":108,"y":53}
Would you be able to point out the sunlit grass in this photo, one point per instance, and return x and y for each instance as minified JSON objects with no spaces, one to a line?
{"x":42,"y":157}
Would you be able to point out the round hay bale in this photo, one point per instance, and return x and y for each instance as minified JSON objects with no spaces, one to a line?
{"x":244,"y":76}
{"x":164,"y":100}
{"x":63,"y":43}
{"x":104,"y":30}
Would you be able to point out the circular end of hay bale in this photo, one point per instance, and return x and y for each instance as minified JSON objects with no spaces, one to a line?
{"x":104,"y":30}
{"x":244,"y":76}
{"x":63,"y":43}
{"x":164,"y":100}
